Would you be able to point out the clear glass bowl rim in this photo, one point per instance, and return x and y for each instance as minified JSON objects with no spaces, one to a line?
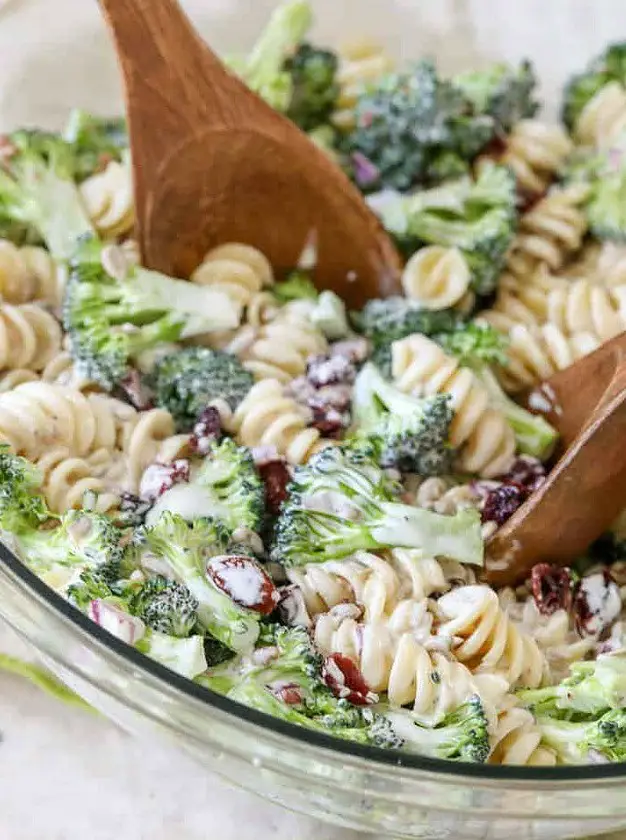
{"x":381,"y":757}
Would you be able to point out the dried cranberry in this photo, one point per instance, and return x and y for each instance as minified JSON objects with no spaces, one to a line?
{"x":158,"y":478}
{"x":596,"y":603}
{"x":286,"y":692}
{"x":275,"y":477}
{"x":551,"y":587}
{"x":346,"y":681}
{"x":243,"y":580}
{"x":330,"y":422}
{"x":206,"y":430}
{"x":135,"y":389}
{"x":529,"y":472}
{"x":502,"y":502}
{"x":330,"y":370}
{"x":353,"y":349}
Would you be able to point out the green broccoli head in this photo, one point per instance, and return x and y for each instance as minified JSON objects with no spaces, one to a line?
{"x":342,"y":502}
{"x":502,"y":92}
{"x":385,"y":320}
{"x":406,"y":123}
{"x":409,"y":433}
{"x":111,"y":321}
{"x":38,"y":197}
{"x":166,"y":606}
{"x":93,"y":584}
{"x":608,"y":67}
{"x":187,"y":381}
{"x":297,"y":286}
{"x":461,"y":736}
{"x":94,"y":141}
{"x":575,"y":742}
{"x":314,"y":86}
{"x":22,"y":505}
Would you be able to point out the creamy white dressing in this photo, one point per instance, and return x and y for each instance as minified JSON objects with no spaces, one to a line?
{"x":243,"y":581}
{"x":187,"y":500}
{"x":603,"y":600}
{"x":330,"y":501}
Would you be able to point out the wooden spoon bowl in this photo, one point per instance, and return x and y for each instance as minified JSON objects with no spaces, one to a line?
{"x":213,"y":163}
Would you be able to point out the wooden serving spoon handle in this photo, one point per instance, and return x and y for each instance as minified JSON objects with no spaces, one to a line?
{"x":586,"y":489}
{"x":213,"y":163}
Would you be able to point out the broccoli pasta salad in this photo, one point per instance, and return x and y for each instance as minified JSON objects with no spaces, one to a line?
{"x":286,"y":501}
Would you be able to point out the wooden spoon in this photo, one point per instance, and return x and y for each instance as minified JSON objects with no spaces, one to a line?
{"x":586,"y":490}
{"x":213,"y":163}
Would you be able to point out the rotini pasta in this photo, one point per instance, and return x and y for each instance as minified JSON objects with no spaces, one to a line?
{"x":67,"y":479}
{"x":27,"y":274}
{"x":517,"y":738}
{"x":240,"y":271}
{"x":12,"y":378}
{"x":268,"y":417}
{"x":551,"y":232}
{"x":360,"y":64}
{"x":486,"y":640}
{"x":29,"y":337}
{"x":108,"y":199}
{"x":535,"y":152}
{"x":436,"y":278}
{"x":151,"y":437}
{"x":522,"y":300}
{"x":604,"y":117}
{"x":581,"y":307}
{"x":485,"y":440}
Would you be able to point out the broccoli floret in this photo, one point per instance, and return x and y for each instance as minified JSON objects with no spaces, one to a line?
{"x":111,"y":321}
{"x":187,"y":381}
{"x":283,"y":678}
{"x":22,"y":505}
{"x":502,"y":92}
{"x":385,"y":320}
{"x":341,"y":502}
{"x":297,"y":286}
{"x":185,"y":656}
{"x":186,"y":548}
{"x":94,"y":141}
{"x":226,"y":486}
{"x":166,"y":606}
{"x":264,"y":70}
{"x":406,"y":123}
{"x":94,"y":583}
{"x":314,"y":86}
{"x":610,"y":66}
{"x":573,"y":741}
{"x":461,"y":736}
{"x":329,"y":315}
{"x":410,"y":434}
{"x":38,"y":196}
{"x":478,"y":346}
{"x":591,"y":689}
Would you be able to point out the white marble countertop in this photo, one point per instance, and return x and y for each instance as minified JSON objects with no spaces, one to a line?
{"x":67,"y":774}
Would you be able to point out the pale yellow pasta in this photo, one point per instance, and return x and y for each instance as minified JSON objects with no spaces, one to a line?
{"x":486,"y":640}
{"x":12,"y":378}
{"x":267,"y":417}
{"x":108,"y":199}
{"x":522,"y":300}
{"x":582,"y":307}
{"x":482,"y":435}
{"x":436,"y":277}
{"x":360,"y":64}
{"x":67,"y":479}
{"x":29,"y":273}
{"x":551,"y":232}
{"x":29,"y":336}
{"x":151,"y":437}
{"x":238,"y":270}
{"x":517,"y":738}
{"x":603,"y":118}
{"x":535,"y":152}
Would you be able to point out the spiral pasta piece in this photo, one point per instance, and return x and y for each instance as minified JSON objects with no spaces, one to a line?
{"x":581,"y":307}
{"x":535,"y":152}
{"x":67,"y":479}
{"x":522,"y":300}
{"x":485,"y":441}
{"x":486,"y":640}
{"x":549,"y":233}
{"x":108,"y":199}
{"x":267,"y":417}
{"x":12,"y":378}
{"x":517,"y":738}
{"x":603,"y":118}
{"x":360,"y":64}
{"x":150,"y":438}
{"x":240,"y":271}
{"x":29,"y":273}
{"x":29,"y":336}
{"x":436,"y":277}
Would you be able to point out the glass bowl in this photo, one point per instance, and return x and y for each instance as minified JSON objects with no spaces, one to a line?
{"x":55,"y":56}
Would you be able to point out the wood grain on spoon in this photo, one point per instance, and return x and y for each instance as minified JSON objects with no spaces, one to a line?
{"x":586,"y":489}
{"x":213,"y":163}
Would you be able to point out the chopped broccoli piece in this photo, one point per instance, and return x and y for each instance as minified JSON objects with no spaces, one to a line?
{"x":478,"y":346}
{"x":110,"y":322}
{"x":226,"y":487}
{"x":342,"y":502}
{"x":325,"y":138}
{"x":314,"y":86}
{"x":461,"y":736}
{"x":406,"y":123}
{"x":591,"y":689}
{"x":22,"y":505}
{"x":329,"y":316}
{"x":38,"y":196}
{"x":166,"y":606}
{"x":574,"y":741}
{"x":283,"y":678}
{"x":185,"y":656}
{"x":186,"y":381}
{"x":297,"y":286}
{"x":608,"y":67}
{"x":410,"y":434}
{"x":186,"y":548}
{"x":94,"y":141}
{"x":385,"y":320}
{"x":265,"y":69}
{"x":502,"y":92}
